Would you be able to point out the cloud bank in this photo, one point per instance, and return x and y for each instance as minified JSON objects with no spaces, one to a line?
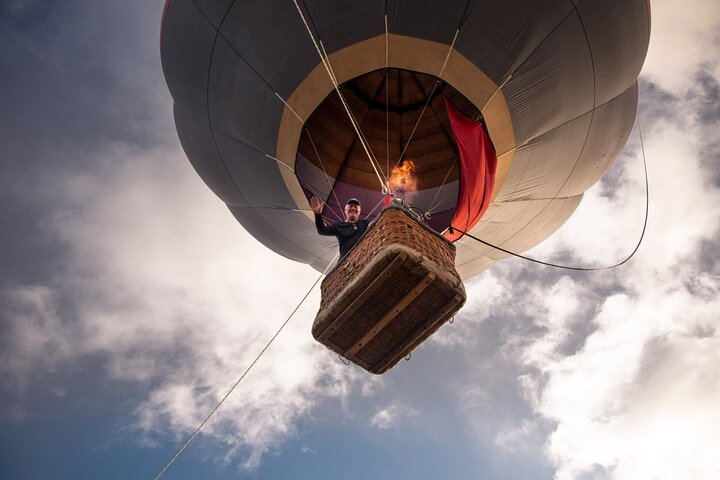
{"x":161,"y":281}
{"x":624,"y":364}
{"x":610,"y":375}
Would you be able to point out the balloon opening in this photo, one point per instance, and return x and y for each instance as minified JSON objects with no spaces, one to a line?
{"x":406,"y":127}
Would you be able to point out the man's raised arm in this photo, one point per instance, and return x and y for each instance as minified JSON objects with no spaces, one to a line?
{"x":317,"y":207}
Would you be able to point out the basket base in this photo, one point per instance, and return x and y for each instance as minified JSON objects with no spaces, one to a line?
{"x":391,"y":306}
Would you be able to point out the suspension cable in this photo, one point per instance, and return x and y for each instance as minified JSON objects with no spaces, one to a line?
{"x":437,"y":82}
{"x":280,"y":163}
{"x":327,"y":177}
{"x":362,"y":134}
{"x":499,"y":87}
{"x":430,"y":208}
{"x":383,"y":187}
{"x":387,"y":118}
{"x":375,"y":207}
{"x":387,"y":96}
{"x":417,"y":122}
{"x":267,"y":345}
{"x":584,"y":269}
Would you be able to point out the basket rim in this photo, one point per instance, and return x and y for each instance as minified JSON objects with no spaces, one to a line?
{"x":409,"y":214}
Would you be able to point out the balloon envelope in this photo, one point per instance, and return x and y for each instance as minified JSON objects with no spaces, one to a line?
{"x":259,"y":119}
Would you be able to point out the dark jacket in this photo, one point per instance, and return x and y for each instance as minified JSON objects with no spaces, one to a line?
{"x":348,"y":234}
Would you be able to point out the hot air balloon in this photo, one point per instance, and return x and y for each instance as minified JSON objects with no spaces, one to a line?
{"x":276,"y":101}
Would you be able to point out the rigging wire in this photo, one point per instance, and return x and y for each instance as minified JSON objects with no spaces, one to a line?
{"x":520,"y":64}
{"x":327,"y":177}
{"x":430,"y":208}
{"x":267,"y":345}
{"x":504,"y":82}
{"x":584,"y":269}
{"x":387,"y":118}
{"x":375,"y":207}
{"x":362,"y":134}
{"x":427,"y":102}
{"x":325,"y":63}
{"x":464,"y":18}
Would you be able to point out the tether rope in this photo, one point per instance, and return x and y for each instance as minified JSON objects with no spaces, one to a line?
{"x":584,"y":269}
{"x":267,"y":345}
{"x":342,"y":99}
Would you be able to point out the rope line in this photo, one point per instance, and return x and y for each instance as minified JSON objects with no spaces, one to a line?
{"x":257,"y":149}
{"x":493,"y":96}
{"x":387,"y":41}
{"x":466,"y":13}
{"x":197,"y":430}
{"x":312,"y":20}
{"x":363,"y":139}
{"x":430,"y":208}
{"x":342,"y":99}
{"x":584,"y":269}
{"x":407,"y":144}
{"x":242,"y":57}
{"x":437,"y":82}
{"x":327,"y":177}
{"x":387,"y":120}
{"x":592,"y":112}
{"x":447,"y":57}
{"x":552,"y":30}
{"x":297,"y":115}
{"x":375,"y":207}
{"x":303,"y":181}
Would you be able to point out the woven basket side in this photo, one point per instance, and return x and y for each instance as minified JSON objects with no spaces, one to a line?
{"x":393,"y":227}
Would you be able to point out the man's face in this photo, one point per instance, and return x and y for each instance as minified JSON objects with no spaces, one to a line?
{"x":352,"y":212}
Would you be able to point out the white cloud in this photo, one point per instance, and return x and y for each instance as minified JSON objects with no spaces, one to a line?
{"x":638,"y":395}
{"x":638,"y":400}
{"x":520,"y":436}
{"x":173,"y":293}
{"x":175,"y":296}
{"x":36,"y":336}
{"x":555,"y":310}
{"x":472,"y":398}
{"x":392,"y":415}
{"x":484,"y":293}
{"x":684,"y":35}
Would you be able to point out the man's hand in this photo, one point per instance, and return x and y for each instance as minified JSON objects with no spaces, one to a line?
{"x":316,"y":205}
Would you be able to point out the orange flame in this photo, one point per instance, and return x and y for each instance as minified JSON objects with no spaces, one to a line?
{"x":402,"y":181}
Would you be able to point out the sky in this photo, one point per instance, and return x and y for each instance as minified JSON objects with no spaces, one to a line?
{"x":131,"y":300}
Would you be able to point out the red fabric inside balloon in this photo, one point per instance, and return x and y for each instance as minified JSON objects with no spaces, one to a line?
{"x":478,"y":163}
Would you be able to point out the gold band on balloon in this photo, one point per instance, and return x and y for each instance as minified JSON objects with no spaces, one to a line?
{"x":407,"y":53}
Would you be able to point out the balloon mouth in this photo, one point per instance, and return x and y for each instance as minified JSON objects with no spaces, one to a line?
{"x":404,"y":124}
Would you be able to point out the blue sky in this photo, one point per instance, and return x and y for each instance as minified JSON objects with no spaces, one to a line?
{"x":131,"y":299}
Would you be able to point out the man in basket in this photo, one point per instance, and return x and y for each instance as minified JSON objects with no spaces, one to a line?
{"x":348,"y":232}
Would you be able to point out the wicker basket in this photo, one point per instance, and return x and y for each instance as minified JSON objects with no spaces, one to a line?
{"x":391,"y":292}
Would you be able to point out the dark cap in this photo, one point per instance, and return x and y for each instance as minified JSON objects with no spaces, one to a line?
{"x":355,"y":201}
